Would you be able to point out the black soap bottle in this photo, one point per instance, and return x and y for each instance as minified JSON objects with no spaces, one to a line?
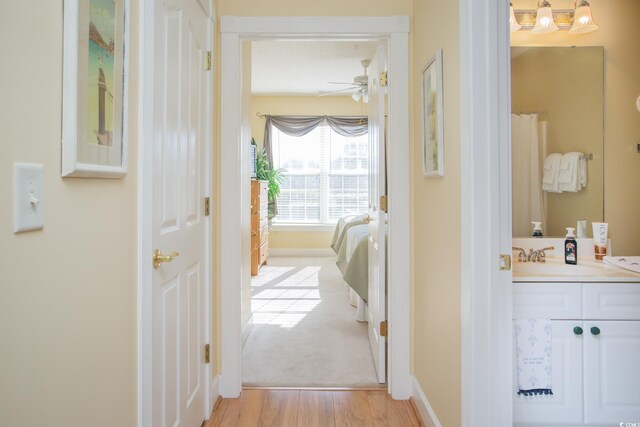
{"x":571,"y":247}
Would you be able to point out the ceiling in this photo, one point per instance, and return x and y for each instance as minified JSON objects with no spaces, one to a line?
{"x":305,"y":67}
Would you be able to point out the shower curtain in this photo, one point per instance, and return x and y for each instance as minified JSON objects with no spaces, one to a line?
{"x":526,"y":172}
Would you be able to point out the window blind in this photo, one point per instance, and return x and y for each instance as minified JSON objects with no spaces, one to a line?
{"x":325,"y":176}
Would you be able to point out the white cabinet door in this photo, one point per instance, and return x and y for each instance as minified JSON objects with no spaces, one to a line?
{"x":565,"y":405}
{"x":612,"y":371}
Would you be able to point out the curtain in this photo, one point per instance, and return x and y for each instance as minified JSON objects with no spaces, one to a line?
{"x":528,"y":200}
{"x":302,"y":125}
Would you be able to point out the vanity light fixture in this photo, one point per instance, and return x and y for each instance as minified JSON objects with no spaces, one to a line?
{"x":544,"y":19}
{"x":582,"y":19}
{"x":513,"y":22}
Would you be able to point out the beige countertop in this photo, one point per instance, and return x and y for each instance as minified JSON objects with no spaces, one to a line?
{"x":555,"y":270}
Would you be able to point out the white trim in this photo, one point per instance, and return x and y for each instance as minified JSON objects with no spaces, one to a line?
{"x":144,"y":225}
{"x":486,"y":213}
{"x":427,"y":413}
{"x":246,"y":329}
{"x":214,"y":392}
{"x":395,"y":31}
{"x":301,"y":252}
{"x":310,"y":228}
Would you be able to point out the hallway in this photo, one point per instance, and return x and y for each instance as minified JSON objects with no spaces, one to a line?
{"x":304,"y":330}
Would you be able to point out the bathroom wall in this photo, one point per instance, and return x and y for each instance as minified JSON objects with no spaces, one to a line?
{"x":300,"y":105}
{"x":68,"y":292}
{"x":619,"y":33}
{"x":436,"y":220}
{"x":565,"y":87}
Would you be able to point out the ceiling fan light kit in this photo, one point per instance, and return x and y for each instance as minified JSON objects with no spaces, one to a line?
{"x":359,"y":86}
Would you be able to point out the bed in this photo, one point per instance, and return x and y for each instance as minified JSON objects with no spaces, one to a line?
{"x":350,"y":242}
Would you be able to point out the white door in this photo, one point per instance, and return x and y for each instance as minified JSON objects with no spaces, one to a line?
{"x":612,"y":372}
{"x":377,"y":302}
{"x":565,"y":406}
{"x":178,"y":222}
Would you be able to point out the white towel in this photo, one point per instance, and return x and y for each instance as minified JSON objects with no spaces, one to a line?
{"x":568,"y":178}
{"x":551,"y":171}
{"x":631,"y":263}
{"x":583,"y":172}
{"x":533,"y":356}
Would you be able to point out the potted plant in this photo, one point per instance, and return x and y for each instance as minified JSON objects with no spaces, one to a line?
{"x":274,"y":177}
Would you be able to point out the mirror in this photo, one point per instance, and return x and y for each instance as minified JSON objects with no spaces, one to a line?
{"x":557,"y":96}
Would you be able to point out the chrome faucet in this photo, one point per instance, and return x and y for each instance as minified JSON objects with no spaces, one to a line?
{"x":533,"y":256}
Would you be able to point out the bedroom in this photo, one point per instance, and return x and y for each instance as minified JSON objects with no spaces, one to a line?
{"x":297,"y":309}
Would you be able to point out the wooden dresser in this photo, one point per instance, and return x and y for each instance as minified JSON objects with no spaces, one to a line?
{"x":259,"y":225}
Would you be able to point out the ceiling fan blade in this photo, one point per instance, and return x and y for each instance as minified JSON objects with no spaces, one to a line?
{"x":331,"y":92}
{"x":340,"y":83}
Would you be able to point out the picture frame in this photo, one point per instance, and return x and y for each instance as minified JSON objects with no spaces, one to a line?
{"x":432,"y":118}
{"x":95,"y":88}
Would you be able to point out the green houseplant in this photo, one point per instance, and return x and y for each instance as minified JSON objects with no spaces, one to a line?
{"x":274,"y":177}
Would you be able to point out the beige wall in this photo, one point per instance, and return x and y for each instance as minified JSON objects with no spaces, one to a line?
{"x":68,"y":292}
{"x":620,"y":36}
{"x":436,"y":220}
{"x":565,"y":87}
{"x":300,"y":105}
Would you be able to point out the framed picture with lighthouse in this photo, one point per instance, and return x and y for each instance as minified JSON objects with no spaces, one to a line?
{"x":95,"y":89}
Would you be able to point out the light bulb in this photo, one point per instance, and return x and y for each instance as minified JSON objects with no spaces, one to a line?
{"x":544,"y":19}
{"x":513,"y":22}
{"x":582,"y":19}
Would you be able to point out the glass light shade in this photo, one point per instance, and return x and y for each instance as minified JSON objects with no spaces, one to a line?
{"x":583,"y":20}
{"x":365,"y":97}
{"x":356,"y":96}
{"x":544,"y":20}
{"x":513,"y":23}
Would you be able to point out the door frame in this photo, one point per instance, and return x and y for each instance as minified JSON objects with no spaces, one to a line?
{"x":145,"y":209}
{"x":395,"y":30}
{"x":485,"y":145}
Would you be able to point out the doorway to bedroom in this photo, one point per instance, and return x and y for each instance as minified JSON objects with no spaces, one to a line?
{"x":304,"y":307}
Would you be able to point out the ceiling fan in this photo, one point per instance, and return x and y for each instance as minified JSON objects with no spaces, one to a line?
{"x":359,"y":86}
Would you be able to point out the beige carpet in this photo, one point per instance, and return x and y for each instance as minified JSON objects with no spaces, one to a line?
{"x":305,"y":333}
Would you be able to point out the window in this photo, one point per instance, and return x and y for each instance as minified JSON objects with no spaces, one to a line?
{"x":325,"y":176}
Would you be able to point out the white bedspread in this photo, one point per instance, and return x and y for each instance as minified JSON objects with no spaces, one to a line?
{"x":354,"y":236}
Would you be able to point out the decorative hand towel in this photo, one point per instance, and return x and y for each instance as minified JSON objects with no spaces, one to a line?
{"x":631,"y":263}
{"x":533,"y":356}
{"x":551,"y":171}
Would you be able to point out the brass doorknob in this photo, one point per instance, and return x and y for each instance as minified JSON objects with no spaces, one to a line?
{"x":159,"y":257}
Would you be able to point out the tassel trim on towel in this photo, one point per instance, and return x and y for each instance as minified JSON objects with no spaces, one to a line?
{"x":535,"y":392}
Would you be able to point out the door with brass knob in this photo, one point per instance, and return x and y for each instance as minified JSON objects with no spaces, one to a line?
{"x":180,"y":226}
{"x":159,"y":257}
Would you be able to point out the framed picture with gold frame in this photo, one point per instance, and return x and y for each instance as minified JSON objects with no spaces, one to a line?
{"x":432,"y":118}
{"x":95,"y":90}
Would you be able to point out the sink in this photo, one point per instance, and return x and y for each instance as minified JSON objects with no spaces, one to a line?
{"x":557,"y":267}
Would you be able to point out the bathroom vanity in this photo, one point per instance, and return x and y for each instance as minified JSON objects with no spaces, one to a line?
{"x":595,"y":316}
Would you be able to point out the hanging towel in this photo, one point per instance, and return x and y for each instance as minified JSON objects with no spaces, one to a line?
{"x":631,"y":263}
{"x":569,"y":177}
{"x":533,"y":356}
{"x":583,"y":172}
{"x":551,"y":171}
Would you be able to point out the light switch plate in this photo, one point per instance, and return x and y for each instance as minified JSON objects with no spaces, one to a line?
{"x":28,"y":197}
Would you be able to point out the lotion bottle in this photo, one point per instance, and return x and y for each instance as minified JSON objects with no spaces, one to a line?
{"x":571,"y":247}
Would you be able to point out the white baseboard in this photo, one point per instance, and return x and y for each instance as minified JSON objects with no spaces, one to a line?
{"x":424,"y":407}
{"x":304,"y":252}
{"x":246,"y":329}
{"x":215,"y":392}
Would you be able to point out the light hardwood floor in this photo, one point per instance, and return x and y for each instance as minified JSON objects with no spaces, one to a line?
{"x":313,"y":408}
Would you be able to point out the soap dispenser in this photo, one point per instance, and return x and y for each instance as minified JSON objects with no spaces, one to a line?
{"x":537,"y":229}
{"x":571,"y":247}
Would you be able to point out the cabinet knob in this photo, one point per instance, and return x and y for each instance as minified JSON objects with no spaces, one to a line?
{"x":578,"y":330}
{"x":595,"y":330}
